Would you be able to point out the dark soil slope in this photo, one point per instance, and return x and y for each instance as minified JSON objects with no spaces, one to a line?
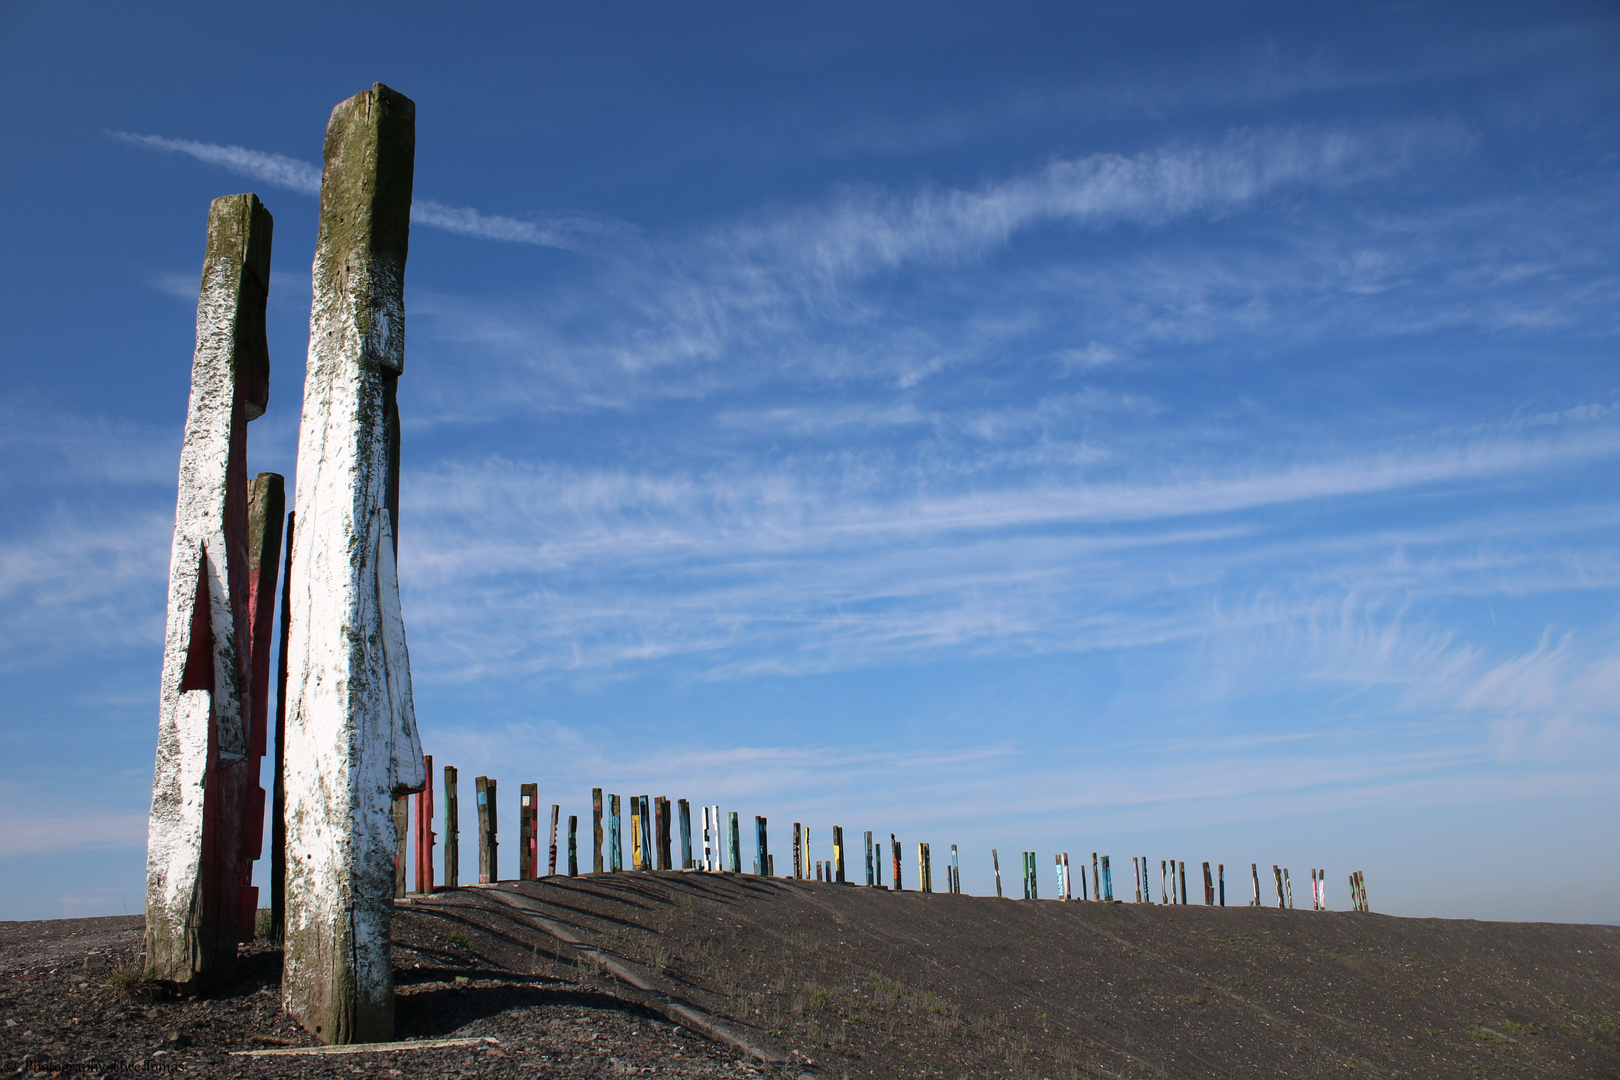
{"x":843,"y":981}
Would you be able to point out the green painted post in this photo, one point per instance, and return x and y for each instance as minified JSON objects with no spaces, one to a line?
{"x":733,"y":842}
{"x":615,"y":839}
{"x":452,"y":830}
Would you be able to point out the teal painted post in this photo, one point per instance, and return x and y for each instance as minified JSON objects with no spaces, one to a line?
{"x":1108,"y":882}
{"x":871,"y":880}
{"x":615,"y":840}
{"x":686,"y":834}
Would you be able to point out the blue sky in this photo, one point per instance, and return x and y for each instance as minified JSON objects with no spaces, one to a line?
{"x":1177,"y":431}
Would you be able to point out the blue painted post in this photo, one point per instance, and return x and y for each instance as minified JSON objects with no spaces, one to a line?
{"x":615,"y":840}
{"x":1108,"y":882}
{"x":734,"y":841}
{"x":870,"y":879}
{"x":762,"y":862}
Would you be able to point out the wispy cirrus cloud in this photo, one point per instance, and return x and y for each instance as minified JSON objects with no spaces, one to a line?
{"x":572,"y":231}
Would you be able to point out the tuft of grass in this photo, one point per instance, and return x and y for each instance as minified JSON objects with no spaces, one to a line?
{"x":129,"y":979}
{"x":458,"y":939}
{"x":261,"y":926}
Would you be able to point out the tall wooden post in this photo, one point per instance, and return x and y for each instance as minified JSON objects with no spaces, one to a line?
{"x":762,"y":858}
{"x":573,"y":845}
{"x":1209,"y":886}
{"x":528,"y":796}
{"x":995,"y":863}
{"x":662,"y":833}
{"x":210,"y":735}
{"x":424,"y":830}
{"x":838,"y":854}
{"x":615,"y":840}
{"x":452,"y":830}
{"x":1183,"y":865}
{"x":352,"y":742}
{"x":686,"y":834}
{"x":871,"y":880}
{"x":1276,"y":874}
{"x":596,"y":830}
{"x":733,"y":842}
{"x":637,"y":852}
{"x":894,"y":846}
{"x":1096,"y":878}
{"x":402,"y":842}
{"x":646,"y":834}
{"x":1288,"y":887}
{"x":1220,"y":875}
{"x":488,"y":861}
{"x":798,"y":853}
{"x":551,"y":862}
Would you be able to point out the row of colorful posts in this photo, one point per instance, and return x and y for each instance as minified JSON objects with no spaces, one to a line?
{"x":653,"y":821}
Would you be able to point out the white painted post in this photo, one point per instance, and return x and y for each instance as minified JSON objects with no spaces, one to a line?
{"x":352,"y":744}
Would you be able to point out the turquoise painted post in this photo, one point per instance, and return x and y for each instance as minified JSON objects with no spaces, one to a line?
{"x":956,"y":871}
{"x":686,"y":834}
{"x":734,"y":841}
{"x":870,"y":878}
{"x":1108,"y":882}
{"x":615,"y":839}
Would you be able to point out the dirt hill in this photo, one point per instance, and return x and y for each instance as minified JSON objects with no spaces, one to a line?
{"x":627,"y":973}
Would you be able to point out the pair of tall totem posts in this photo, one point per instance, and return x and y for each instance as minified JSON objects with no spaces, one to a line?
{"x":346,"y":739}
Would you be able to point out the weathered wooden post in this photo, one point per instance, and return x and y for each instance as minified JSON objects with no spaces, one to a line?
{"x":798,"y":853}
{"x":838,"y":854}
{"x":1136,"y":872}
{"x":596,"y":830}
{"x":551,"y":863}
{"x":488,"y":863}
{"x":352,"y":743}
{"x":1096,"y":878}
{"x":278,"y":806}
{"x":1209,"y":886}
{"x":1062,"y":886}
{"x":615,"y":840}
{"x":402,"y":842}
{"x":637,"y":852}
{"x":871,"y":879}
{"x":665,"y":859}
{"x":925,"y":869}
{"x":894,"y":846}
{"x":1164,"y":891}
{"x":1220,"y":875}
{"x":762,"y":857}
{"x":733,"y":842}
{"x":1108,"y":881}
{"x":1254,"y":869}
{"x":686,"y":834}
{"x":1288,"y":887}
{"x":647,"y":847}
{"x":452,"y":830}
{"x":1183,"y":868}
{"x":528,"y":826}
{"x":1276,"y":873}
{"x":199,"y":859}
{"x":424,"y":829}
{"x":995,"y":863}
{"x":573,"y":845}
{"x":956,"y":872}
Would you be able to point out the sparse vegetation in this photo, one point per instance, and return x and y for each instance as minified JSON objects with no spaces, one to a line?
{"x":128,"y":979}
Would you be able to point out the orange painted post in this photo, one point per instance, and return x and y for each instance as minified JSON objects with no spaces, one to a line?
{"x":424,"y":830}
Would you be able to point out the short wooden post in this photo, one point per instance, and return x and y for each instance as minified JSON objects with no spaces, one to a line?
{"x":870,"y":878}
{"x":1096,"y":878}
{"x":646,"y":833}
{"x":734,"y":841}
{"x":452,"y":830}
{"x":573,"y":845}
{"x":596,"y":830}
{"x":1062,"y":885}
{"x":762,"y":856}
{"x":956,"y":872}
{"x":551,"y":863}
{"x":925,"y":867}
{"x":1209,"y":886}
{"x":686,"y":834}
{"x":1288,"y":887}
{"x":402,"y":841}
{"x":528,"y":794}
{"x":894,"y":849}
{"x":995,"y":863}
{"x":615,"y":836}
{"x":1254,"y":870}
{"x":665,"y":855}
{"x":838,"y":854}
{"x":424,"y":830}
{"x":636,"y":852}
{"x":1220,"y":874}
{"x":1183,"y":869}
{"x":488,"y":864}
{"x":1083,"y":894}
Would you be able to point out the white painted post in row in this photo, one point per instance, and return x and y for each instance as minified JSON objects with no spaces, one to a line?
{"x":207,"y":769}
{"x":352,"y":744}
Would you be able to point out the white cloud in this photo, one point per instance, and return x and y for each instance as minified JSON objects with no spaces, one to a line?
{"x":277,"y":170}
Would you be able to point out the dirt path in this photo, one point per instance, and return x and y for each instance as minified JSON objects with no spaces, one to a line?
{"x":840,"y":981}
